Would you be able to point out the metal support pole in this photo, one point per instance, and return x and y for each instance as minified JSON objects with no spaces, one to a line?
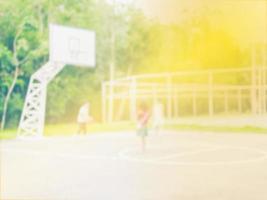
{"x":194,"y":103}
{"x":239,"y":101}
{"x":226,"y":102}
{"x":265,"y":64}
{"x":33,"y":116}
{"x":169,"y":96}
{"x":133,"y":90}
{"x":210,"y":102}
{"x":176,"y":107}
{"x":104,"y":118}
{"x":253,"y":83}
{"x":110,"y":102}
{"x":264,"y":90}
{"x":263,"y":80}
{"x":155,"y":98}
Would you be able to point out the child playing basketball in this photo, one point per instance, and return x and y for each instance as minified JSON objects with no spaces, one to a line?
{"x":142,"y":121}
{"x":83,"y":118}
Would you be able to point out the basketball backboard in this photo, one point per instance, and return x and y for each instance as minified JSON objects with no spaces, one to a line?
{"x":72,"y":45}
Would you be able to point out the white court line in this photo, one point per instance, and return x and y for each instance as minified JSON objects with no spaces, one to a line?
{"x":187,"y":153}
{"x":62,"y":155}
{"x":123,"y":155}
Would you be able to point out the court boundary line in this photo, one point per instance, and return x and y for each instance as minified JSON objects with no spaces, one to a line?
{"x":212,"y":163}
{"x":122,"y":155}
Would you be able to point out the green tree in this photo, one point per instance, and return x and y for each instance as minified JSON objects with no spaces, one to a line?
{"x":21,"y":41}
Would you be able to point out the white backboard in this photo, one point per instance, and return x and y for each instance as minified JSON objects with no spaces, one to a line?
{"x":71,"y":45}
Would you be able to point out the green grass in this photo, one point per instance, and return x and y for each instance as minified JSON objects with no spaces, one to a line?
{"x":70,"y":129}
{"x":8,"y":134}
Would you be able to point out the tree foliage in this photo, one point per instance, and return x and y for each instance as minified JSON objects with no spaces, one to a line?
{"x":24,"y":49}
{"x":140,"y":46}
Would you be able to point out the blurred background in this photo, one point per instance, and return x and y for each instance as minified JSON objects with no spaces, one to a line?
{"x":133,"y":38}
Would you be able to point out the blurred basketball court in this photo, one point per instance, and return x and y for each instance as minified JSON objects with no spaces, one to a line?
{"x":186,"y":165}
{"x":176,"y":165}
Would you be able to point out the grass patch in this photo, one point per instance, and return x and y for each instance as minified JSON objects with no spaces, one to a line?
{"x":70,"y":129}
{"x":8,"y":134}
{"x":210,"y":128}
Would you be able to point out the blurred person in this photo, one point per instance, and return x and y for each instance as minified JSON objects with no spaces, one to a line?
{"x":142,"y":120}
{"x":83,"y":118}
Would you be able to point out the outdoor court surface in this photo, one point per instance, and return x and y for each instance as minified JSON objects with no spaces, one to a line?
{"x":176,"y":166}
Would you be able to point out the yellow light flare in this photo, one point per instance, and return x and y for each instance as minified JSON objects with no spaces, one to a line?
{"x":205,"y":33}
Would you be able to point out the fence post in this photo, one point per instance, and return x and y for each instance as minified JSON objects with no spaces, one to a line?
{"x":104,"y":119}
{"x":240,"y":101}
{"x":169,"y":96}
{"x":194,"y":103}
{"x":226,"y":102}
{"x":133,"y":90}
{"x":210,"y":102}
{"x":176,"y":101}
{"x":110,"y":106}
{"x":264,"y":88}
{"x":254,"y":88}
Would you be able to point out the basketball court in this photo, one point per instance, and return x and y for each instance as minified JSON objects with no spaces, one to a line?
{"x":176,"y":165}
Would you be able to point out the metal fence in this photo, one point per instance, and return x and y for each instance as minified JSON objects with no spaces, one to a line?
{"x":231,"y":91}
